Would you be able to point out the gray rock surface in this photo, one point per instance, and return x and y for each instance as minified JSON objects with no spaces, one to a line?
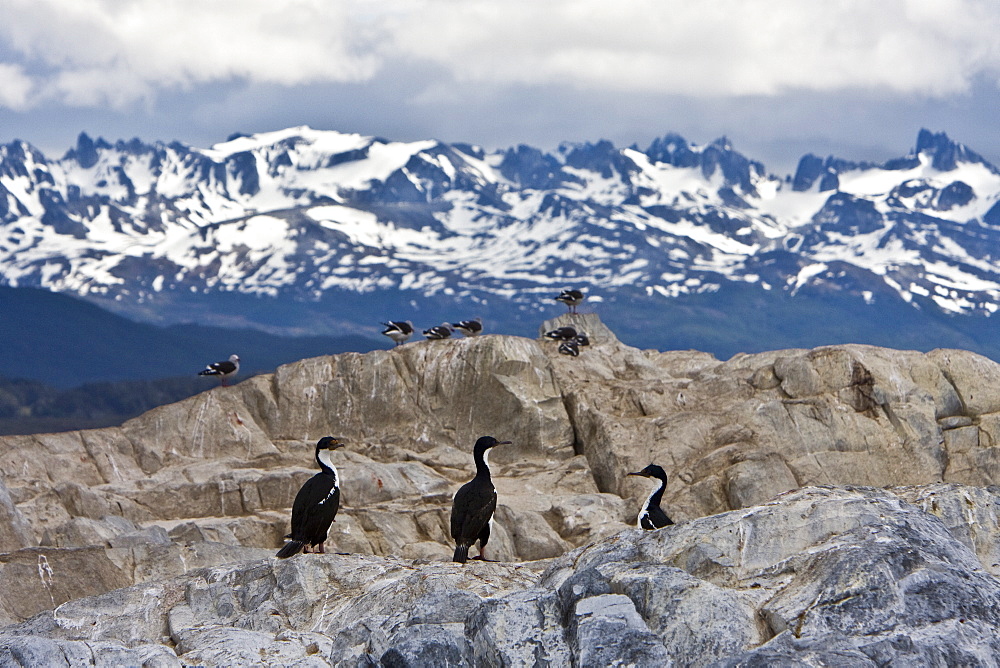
{"x":152,"y":542}
{"x":736,"y":433}
{"x":820,"y":576}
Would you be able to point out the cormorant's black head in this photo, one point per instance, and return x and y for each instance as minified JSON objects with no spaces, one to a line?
{"x":324,"y":447}
{"x":487,"y":442}
{"x":652,"y":471}
{"x":329,"y":443}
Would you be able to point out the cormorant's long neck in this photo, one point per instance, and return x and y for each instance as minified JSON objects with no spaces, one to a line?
{"x":482,"y":463}
{"x":326,"y":464}
{"x":654,"y":498}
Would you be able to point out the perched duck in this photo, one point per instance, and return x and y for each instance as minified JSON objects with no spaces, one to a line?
{"x":470,"y":327}
{"x":651,"y":517}
{"x":316,"y":504}
{"x":582,"y":339}
{"x":570,"y":347}
{"x":474,"y":504}
{"x":442,"y":331}
{"x":223,"y":369}
{"x":562,"y":334}
{"x":571,"y":298}
{"x":399,"y":331}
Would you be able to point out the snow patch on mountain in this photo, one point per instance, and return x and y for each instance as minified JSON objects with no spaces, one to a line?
{"x":304,"y":213}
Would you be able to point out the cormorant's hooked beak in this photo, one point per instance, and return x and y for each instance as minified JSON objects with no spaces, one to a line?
{"x":504,"y":442}
{"x":331,"y":443}
{"x":638,"y":473}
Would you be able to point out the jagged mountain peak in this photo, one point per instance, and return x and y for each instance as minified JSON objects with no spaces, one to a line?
{"x":673,"y":149}
{"x":811,"y":167}
{"x":86,"y":151}
{"x":529,"y":167}
{"x":934,"y":151}
{"x":736,"y":169}
{"x":947,"y":154}
{"x":722,"y":143}
{"x":308,"y":214}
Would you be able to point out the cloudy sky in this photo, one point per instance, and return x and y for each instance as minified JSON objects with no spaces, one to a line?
{"x":780,"y":78}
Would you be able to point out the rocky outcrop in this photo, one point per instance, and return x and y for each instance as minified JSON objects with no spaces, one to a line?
{"x":737,"y":433}
{"x":223,"y":467}
{"x":150,"y":517}
{"x":819,"y":576}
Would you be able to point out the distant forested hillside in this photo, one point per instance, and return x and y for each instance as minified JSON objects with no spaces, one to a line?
{"x":64,"y":342}
{"x":30,"y":407}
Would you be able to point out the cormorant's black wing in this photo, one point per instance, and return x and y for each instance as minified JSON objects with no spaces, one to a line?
{"x":315,"y":508}
{"x":658,"y":517}
{"x":475,"y":503}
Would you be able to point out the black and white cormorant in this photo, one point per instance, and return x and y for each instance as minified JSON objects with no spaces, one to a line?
{"x":398,"y":330}
{"x":470,"y":327}
{"x":316,"y":504}
{"x":442,"y":331}
{"x":582,"y":339}
{"x":562,"y":334}
{"x":474,"y":504}
{"x":224,"y":369}
{"x":571,"y":298}
{"x":651,"y":516}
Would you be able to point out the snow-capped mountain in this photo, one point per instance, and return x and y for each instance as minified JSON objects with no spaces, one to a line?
{"x":301,"y":216}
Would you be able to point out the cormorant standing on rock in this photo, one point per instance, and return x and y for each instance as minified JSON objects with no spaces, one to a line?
{"x":316,"y":504}
{"x":651,"y":517}
{"x":474,"y":504}
{"x":223,"y":369}
{"x":470,"y":327}
{"x":571,"y":298}
{"x":398,"y":330}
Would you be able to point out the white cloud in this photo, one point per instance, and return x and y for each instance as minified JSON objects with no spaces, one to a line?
{"x":726,"y":47}
{"x":113,"y":53}
{"x":92,"y":52}
{"x":15,"y":87}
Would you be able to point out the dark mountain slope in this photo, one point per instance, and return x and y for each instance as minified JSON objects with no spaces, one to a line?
{"x":63,"y":341}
